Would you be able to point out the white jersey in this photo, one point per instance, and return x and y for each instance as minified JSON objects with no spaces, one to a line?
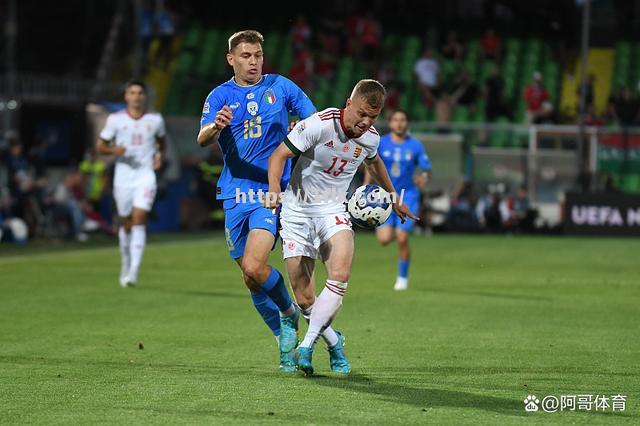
{"x":138,"y":136}
{"x":328,"y":160}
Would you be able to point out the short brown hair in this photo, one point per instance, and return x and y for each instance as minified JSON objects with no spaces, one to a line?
{"x":399,"y":111}
{"x":246,"y":36}
{"x":372,"y":91}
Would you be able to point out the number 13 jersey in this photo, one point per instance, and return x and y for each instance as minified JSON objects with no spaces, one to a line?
{"x":327,"y":162}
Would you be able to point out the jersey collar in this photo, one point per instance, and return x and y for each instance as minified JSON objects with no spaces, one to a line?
{"x":233,"y":80}
{"x":344,"y":129}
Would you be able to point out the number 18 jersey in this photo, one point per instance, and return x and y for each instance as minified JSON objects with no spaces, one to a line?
{"x":327,"y":162}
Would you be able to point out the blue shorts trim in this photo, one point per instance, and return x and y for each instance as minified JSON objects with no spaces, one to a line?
{"x":240,"y":219}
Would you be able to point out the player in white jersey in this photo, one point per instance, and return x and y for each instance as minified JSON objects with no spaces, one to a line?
{"x":330,"y":146}
{"x":137,"y":138}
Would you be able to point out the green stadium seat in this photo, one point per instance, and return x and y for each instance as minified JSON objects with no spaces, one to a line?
{"x":631,"y":183}
{"x":499,"y":137}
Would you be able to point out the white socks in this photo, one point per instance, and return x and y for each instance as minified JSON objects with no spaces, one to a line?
{"x":125,"y":252}
{"x":329,"y":335}
{"x":138,"y":241}
{"x":324,"y":311}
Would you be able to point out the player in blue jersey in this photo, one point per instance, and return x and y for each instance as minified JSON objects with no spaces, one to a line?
{"x":249,"y":117}
{"x":401,"y":154}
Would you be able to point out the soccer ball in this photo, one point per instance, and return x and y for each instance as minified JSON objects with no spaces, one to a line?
{"x":370,"y":206}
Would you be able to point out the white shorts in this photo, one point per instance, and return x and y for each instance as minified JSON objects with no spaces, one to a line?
{"x":303,"y":236}
{"x":140,"y":196}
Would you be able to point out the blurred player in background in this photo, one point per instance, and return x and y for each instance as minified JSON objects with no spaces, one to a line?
{"x":330,"y":147}
{"x":401,"y":154}
{"x":248,"y":117}
{"x":137,"y":139}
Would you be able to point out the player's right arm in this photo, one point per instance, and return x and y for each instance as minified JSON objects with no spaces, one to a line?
{"x":209,"y":133}
{"x":216,"y":115}
{"x":108,"y":134}
{"x":304,"y":136}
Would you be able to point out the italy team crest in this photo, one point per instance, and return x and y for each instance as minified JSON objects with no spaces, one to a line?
{"x":270,"y":97}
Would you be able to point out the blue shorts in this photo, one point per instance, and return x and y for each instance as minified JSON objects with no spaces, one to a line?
{"x":412,"y":200}
{"x":240,"y":218}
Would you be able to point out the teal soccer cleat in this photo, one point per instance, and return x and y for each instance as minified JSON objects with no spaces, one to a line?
{"x":337,"y":359}
{"x":288,"y":362}
{"x":304,"y":360}
{"x":288,"y":342}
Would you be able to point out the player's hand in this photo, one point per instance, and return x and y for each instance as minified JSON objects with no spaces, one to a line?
{"x":157,"y":161}
{"x":292,"y":125}
{"x":421,"y":181}
{"x":118,"y":150}
{"x":223,"y":117}
{"x":403,"y":211}
{"x":272,"y":199}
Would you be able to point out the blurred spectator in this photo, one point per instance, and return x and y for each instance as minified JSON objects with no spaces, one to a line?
{"x":25,"y":190}
{"x":166,"y":31}
{"x":494,"y":92}
{"x":67,"y":205}
{"x":491,"y":45}
{"x":369,"y":33}
{"x":591,"y":118}
{"x":325,"y":65}
{"x":98,"y":200}
{"x":146,"y":27}
{"x":330,"y":35}
{"x":523,"y":215}
{"x":386,"y":76}
{"x":624,"y":107}
{"x":607,"y":184}
{"x":426,"y":70}
{"x":302,"y":69}
{"x":537,"y":99}
{"x":462,"y":214}
{"x":465,"y":91}
{"x":589,"y":91}
{"x":492,"y":209}
{"x":300,"y":33}
{"x":452,"y":49}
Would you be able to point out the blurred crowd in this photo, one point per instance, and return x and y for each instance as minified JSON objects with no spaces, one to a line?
{"x":495,"y":210}
{"x":38,"y":204}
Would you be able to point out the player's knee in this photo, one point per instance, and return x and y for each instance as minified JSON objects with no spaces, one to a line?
{"x":305,"y":300}
{"x":385,"y":238}
{"x":254,"y":271}
{"x":403,"y":239}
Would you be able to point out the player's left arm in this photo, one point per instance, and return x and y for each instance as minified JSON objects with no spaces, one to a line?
{"x":378,"y":171}
{"x":424,"y":163}
{"x":161,"y":144}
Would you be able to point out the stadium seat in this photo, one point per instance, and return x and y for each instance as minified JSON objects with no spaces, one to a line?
{"x":500,"y":136}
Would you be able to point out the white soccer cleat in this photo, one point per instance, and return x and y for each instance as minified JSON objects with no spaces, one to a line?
{"x":401,"y":284}
{"x":124,"y":277}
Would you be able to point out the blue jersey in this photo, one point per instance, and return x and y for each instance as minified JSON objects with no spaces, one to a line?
{"x":260,"y":122}
{"x":401,"y":160}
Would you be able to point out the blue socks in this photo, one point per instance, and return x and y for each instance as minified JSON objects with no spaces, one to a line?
{"x":276,"y":289}
{"x":403,"y":268}
{"x":267,"y":310}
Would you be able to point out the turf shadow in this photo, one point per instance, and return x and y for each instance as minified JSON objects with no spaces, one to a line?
{"x":221,"y":294}
{"x":422,"y":397}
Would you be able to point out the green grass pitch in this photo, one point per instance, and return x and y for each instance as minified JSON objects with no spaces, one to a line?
{"x":486,"y":322}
